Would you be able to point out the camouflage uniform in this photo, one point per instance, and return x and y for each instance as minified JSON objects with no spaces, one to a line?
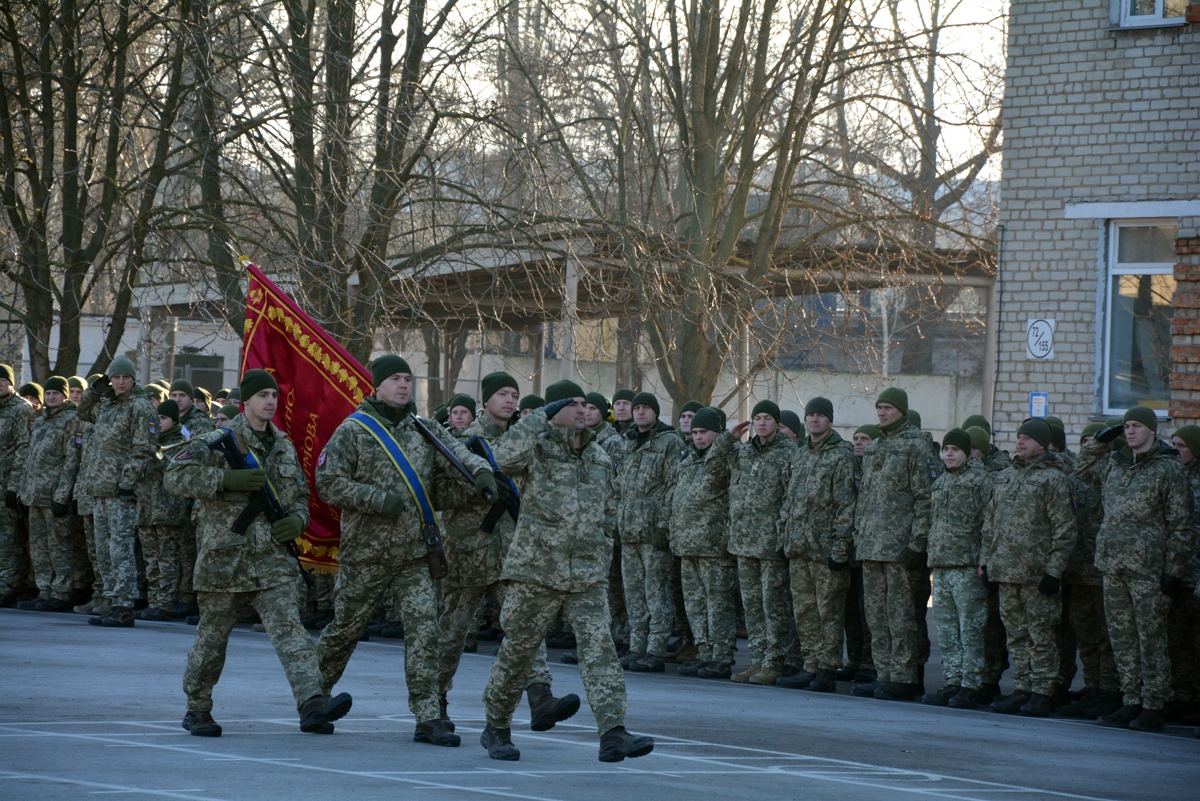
{"x":995,"y":639}
{"x":119,"y":451}
{"x":1086,"y":609}
{"x":83,"y":508}
{"x":161,"y":517}
{"x":355,"y":474}
{"x":15,"y":415}
{"x":699,"y":500}
{"x":558,"y":562}
{"x":643,"y":520}
{"x":997,"y":460}
{"x":893,"y":515}
{"x":51,"y":463}
{"x":958,"y":510}
{"x":234,"y":571}
{"x":758,"y":481}
{"x":614,"y":445}
{"x":475,"y":558}
{"x":817,"y":518}
{"x":1183,"y":621}
{"x":197,"y":424}
{"x":1147,"y":533}
{"x":1030,"y":534}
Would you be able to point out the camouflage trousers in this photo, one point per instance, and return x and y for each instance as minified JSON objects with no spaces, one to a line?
{"x":1031,"y":619}
{"x":115,"y":521}
{"x":995,"y":641}
{"x":616,"y":593}
{"x":219,"y":612}
{"x":12,"y":553}
{"x":358,"y":589}
{"x":89,"y":539}
{"x":763,"y":584}
{"x":528,"y":612}
{"x":1183,"y":646}
{"x":1136,"y":610}
{"x":161,"y":552}
{"x":1091,"y":638}
{"x":819,"y":609}
{"x":187,"y":562}
{"x":922,"y":590}
{"x":888,"y":602}
{"x":960,"y":606}
{"x":709,"y":585}
{"x":646,"y":573}
{"x":52,"y":552}
{"x":858,"y":636}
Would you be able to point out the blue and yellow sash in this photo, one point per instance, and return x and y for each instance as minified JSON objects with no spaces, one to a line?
{"x":252,"y":462}
{"x":412,"y":479}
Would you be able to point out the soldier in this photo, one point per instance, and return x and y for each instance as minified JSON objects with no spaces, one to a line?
{"x":121,"y":446}
{"x":859,"y":665}
{"x":891,"y":530}
{"x":1142,"y":550}
{"x":76,"y":386}
{"x":193,"y":421}
{"x":529,"y":403}
{"x":596,"y":418}
{"x":376,"y":468}
{"x":251,"y":569}
{"x":789,"y":423}
{"x":1027,"y":541}
{"x":475,"y":554}
{"x":203,"y":400}
{"x":651,"y":452}
{"x":958,"y":508}
{"x":993,"y":458}
{"x":15,"y":415}
{"x":558,"y":563}
{"x":161,"y":520}
{"x":225,"y":414}
{"x":686,"y":413}
{"x":699,"y":496}
{"x":461,"y":412}
{"x":758,"y":480}
{"x":622,"y":407}
{"x":1183,"y":621}
{"x":32,"y":394}
{"x":51,"y":462}
{"x":817,"y":517}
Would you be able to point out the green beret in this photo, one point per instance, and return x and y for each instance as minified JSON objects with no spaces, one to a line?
{"x":597,"y":400}
{"x":31,"y":390}
{"x":1191,"y":437}
{"x":122,"y":365}
{"x":1036,"y":429}
{"x":980,"y":439}
{"x":75,"y":382}
{"x":709,"y":419}
{"x":56,"y":383}
{"x":1143,"y":415}
{"x":462,"y":400}
{"x":383,"y":368}
{"x":914,"y":417}
{"x":531,"y":402}
{"x":978,"y":421}
{"x":870,"y":429}
{"x":959,"y":439}
{"x":6,"y":373}
{"x":894,"y":396}
{"x":255,"y":381}
{"x":766,"y":407}
{"x":623,"y":394}
{"x":492,"y":383}
{"x":819,"y":405}
{"x":181,"y":385}
{"x":560,"y":390}
{"x":792,"y":420}
{"x":691,"y":406}
{"x":169,"y":408}
{"x":646,"y":399}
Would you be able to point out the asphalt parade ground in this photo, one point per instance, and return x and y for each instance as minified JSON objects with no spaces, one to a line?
{"x":90,"y":713}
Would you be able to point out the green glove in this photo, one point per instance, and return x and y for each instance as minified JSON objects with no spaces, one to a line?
{"x":393,"y":505}
{"x":287,"y":529}
{"x":913,"y":560}
{"x":660,"y":540}
{"x":485,"y":486}
{"x":248,"y":480}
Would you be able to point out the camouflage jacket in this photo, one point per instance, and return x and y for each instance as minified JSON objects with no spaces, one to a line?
{"x":958,"y":511}
{"x":1192,"y":571}
{"x":561,"y":541}
{"x":1031,"y":527}
{"x":122,"y":442}
{"x":226,"y":561}
{"x":699,"y":498}
{"x":646,"y":466}
{"x":197,"y":423}
{"x":817,"y":513}
{"x":82,"y":496}
{"x":15,"y":415}
{"x":1089,"y":515}
{"x":355,"y":474}
{"x":462,"y":510}
{"x":997,"y":460}
{"x":156,"y":506}
{"x":1147,"y":528}
{"x":893,"y":506}
{"x":758,"y":476}
{"x":51,"y":460}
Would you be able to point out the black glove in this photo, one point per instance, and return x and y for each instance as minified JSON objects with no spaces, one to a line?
{"x":836,"y":565}
{"x":126,"y":492}
{"x":556,"y":407}
{"x":1107,"y":435}
{"x":913,"y":560}
{"x":1170,"y":584}
{"x":11,"y":501}
{"x":485,"y":486}
{"x":1049,"y":585}
{"x":60,"y":509}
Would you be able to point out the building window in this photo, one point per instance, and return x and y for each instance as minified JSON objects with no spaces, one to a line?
{"x":1151,"y":13}
{"x":1141,"y":284}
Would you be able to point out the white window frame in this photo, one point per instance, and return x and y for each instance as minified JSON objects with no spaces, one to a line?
{"x":1123,"y":19}
{"x":1127,"y":268}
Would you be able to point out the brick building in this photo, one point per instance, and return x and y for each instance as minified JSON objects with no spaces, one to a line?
{"x":1099,"y":285}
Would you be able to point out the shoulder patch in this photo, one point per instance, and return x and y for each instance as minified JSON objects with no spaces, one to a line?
{"x":321,"y":459}
{"x":184,"y":455}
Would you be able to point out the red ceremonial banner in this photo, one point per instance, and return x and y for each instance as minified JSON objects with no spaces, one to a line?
{"x":319,"y":384}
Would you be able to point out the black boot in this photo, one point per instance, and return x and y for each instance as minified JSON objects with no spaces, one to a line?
{"x":499,"y":744}
{"x":435,"y":732}
{"x":1150,"y":720}
{"x":942,"y":697}
{"x":824,"y":682}
{"x":545,"y":710}
{"x":866,"y":689}
{"x":1038,"y":706}
{"x":967,"y":699}
{"x":120,"y":617}
{"x":895,"y":691}
{"x":1122,"y":717}
{"x":201,"y":724}
{"x":617,"y":744}
{"x":797,"y":681}
{"x":318,"y":713}
{"x":1011,"y":704}
{"x":444,"y":712}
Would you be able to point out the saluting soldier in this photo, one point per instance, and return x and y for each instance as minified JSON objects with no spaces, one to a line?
{"x":252,"y":569}
{"x":377,"y":468}
{"x":15,"y":415}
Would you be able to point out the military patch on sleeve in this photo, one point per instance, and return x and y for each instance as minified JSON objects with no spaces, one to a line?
{"x":933,"y":468}
{"x":321,"y":459}
{"x":154,"y":427}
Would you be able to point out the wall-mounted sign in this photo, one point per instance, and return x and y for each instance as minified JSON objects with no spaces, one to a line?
{"x":1039,"y":339}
